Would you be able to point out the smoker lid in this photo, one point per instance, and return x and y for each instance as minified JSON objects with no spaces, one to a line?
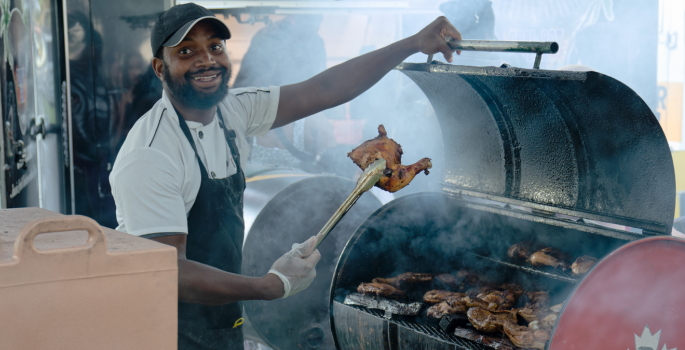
{"x":575,"y":143}
{"x":632,"y":299}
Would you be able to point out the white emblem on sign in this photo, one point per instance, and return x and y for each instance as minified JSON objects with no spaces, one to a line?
{"x":648,"y":341}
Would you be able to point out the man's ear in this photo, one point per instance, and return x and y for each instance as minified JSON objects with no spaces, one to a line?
{"x":158,"y":66}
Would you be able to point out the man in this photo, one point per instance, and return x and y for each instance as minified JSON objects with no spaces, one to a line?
{"x":178,"y":177}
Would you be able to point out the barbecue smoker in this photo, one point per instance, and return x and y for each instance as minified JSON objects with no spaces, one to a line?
{"x":529,"y":155}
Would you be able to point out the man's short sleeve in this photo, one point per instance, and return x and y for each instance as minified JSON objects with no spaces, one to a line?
{"x":258,"y":106}
{"x":147,"y":190}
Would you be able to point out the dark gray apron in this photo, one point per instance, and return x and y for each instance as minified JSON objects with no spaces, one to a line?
{"x":215,"y":238}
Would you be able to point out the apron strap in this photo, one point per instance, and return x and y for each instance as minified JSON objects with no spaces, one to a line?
{"x":230,"y":136}
{"x":186,"y":132}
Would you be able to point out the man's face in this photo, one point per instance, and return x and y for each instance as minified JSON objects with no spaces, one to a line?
{"x":196,"y":71}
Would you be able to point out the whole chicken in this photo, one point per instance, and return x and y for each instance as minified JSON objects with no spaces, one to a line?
{"x":396,"y":176}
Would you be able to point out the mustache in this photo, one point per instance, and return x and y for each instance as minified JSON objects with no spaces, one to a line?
{"x":221,"y":69}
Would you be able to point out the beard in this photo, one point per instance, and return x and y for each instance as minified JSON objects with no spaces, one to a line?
{"x":186,"y":94}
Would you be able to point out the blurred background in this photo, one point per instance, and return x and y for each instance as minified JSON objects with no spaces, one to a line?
{"x":69,"y":101}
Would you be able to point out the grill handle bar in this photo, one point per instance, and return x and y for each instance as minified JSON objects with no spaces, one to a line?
{"x":369,"y":177}
{"x":536,"y":47}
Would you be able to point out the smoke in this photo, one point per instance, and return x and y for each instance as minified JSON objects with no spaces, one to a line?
{"x":431,"y":233}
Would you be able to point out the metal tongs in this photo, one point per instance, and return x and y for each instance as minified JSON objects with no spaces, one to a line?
{"x":368,"y":178}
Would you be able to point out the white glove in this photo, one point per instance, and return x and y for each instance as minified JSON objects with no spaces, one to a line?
{"x":296,"y":271}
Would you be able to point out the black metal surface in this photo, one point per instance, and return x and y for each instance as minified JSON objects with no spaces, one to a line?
{"x":442,"y":339}
{"x":576,"y":143}
{"x":296,"y":210}
{"x":438,"y":233}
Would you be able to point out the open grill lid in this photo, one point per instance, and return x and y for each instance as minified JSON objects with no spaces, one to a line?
{"x":575,"y":143}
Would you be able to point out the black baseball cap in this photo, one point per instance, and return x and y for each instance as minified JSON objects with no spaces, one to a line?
{"x":174,"y":24}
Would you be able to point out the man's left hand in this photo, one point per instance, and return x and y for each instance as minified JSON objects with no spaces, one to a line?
{"x":431,"y":39}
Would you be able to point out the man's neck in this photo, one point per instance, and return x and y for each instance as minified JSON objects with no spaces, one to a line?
{"x":204,"y":116}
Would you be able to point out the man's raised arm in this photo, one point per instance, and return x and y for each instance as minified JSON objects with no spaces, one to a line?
{"x":342,"y":83}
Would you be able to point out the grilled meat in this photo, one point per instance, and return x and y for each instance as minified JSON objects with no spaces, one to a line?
{"x":438,"y":296}
{"x":549,"y":321}
{"x":550,"y":257}
{"x":512,"y":287}
{"x":381,"y":290}
{"x":582,"y":265}
{"x":396,"y":176}
{"x":475,"y":302}
{"x":489,"y":321}
{"x":540,"y":298}
{"x":504,"y":298}
{"x":525,"y":337}
{"x":537,"y":308}
{"x":521,"y":250}
{"x":449,"y":307}
{"x":556,"y":308}
{"x":405,"y":278}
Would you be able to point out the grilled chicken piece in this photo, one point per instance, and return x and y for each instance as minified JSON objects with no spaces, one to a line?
{"x":525,"y":337}
{"x":504,"y":298}
{"x":539,"y":298}
{"x":475,"y":302}
{"x":396,"y":175}
{"x":550,"y":257}
{"x":405,"y":278}
{"x":489,"y":321}
{"x":381,"y":290}
{"x":438,"y":296}
{"x":449,"y":307}
{"x":537,"y":308}
{"x":549,"y":321}
{"x":582,"y":265}
{"x":521,"y":250}
{"x":556,"y":308}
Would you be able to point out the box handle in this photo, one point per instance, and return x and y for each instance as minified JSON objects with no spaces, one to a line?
{"x":23,"y":246}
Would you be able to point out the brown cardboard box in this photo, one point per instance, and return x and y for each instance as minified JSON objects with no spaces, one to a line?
{"x":115,"y":291}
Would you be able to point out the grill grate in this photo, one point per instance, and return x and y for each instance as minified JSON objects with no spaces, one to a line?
{"x":429,"y":330}
{"x":557,"y":275}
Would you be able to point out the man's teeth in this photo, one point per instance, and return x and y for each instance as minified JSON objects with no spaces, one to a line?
{"x":206,"y":78}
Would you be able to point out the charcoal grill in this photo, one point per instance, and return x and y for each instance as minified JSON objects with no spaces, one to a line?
{"x":530,"y":154}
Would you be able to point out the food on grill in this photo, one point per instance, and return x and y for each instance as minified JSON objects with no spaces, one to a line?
{"x":550,"y":257}
{"x":491,"y":340}
{"x":405,"y":278}
{"x":583,"y":264}
{"x":521,"y":250}
{"x":380,"y":289}
{"x":525,"y":337}
{"x":438,"y":296}
{"x":448,"y":307}
{"x":488,"y":321}
{"x":389,"y":306}
{"x":504,"y":298}
{"x":537,"y":308}
{"x":556,"y":308}
{"x":475,"y":302}
{"x":396,"y":176}
{"x":549,"y":321}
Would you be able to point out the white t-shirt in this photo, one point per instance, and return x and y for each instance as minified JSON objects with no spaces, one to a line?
{"x":156,"y":175}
